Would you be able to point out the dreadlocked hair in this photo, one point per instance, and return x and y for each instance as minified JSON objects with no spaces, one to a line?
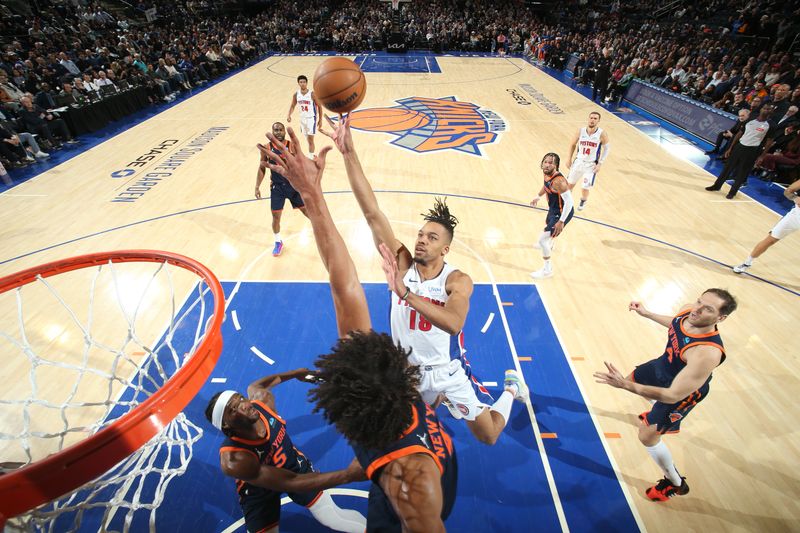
{"x":366,"y":389}
{"x":441,"y":215}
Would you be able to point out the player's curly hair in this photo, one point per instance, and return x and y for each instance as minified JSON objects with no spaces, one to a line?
{"x":366,"y":389}
{"x":441,"y":215}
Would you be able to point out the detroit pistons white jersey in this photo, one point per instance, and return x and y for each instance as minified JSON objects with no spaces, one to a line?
{"x":429,"y":344}
{"x":306,"y":105}
{"x":589,"y":146}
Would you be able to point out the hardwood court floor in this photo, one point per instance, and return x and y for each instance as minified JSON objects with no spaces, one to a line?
{"x":650,"y":233}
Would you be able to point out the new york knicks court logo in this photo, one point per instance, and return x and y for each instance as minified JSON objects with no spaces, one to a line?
{"x":426,"y":125}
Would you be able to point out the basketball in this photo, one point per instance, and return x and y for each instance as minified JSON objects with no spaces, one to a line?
{"x":389,"y":119}
{"x":339,"y":84}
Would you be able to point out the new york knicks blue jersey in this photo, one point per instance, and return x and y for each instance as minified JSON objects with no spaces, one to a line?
{"x":554,"y":201}
{"x":278,"y":179}
{"x":425,"y":435}
{"x":672,"y":360}
{"x":275,"y":449}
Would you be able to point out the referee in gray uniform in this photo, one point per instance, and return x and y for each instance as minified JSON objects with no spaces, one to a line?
{"x":745,"y":149}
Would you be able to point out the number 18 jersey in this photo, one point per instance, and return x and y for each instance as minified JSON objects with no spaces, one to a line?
{"x":429,"y":344}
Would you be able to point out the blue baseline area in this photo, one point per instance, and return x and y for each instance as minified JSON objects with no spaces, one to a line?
{"x":409,"y":63}
{"x":499,"y":488}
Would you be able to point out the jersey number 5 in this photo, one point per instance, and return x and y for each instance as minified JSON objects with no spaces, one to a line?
{"x":424,"y":325}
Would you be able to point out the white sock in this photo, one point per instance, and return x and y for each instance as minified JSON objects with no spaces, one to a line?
{"x":663,"y":458}
{"x":331,"y":515}
{"x":277,"y":237}
{"x":548,"y":265}
{"x":503,"y":405}
{"x":749,"y":260}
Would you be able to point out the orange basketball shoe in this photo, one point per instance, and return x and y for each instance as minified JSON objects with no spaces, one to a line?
{"x":664,"y":490}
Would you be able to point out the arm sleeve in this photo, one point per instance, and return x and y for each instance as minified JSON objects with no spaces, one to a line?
{"x":568,"y":204}
{"x":606,"y":151}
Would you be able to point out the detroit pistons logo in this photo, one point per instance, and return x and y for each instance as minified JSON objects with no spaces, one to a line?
{"x":425,"y":125}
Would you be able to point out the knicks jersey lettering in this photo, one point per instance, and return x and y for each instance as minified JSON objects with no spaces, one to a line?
{"x":306,"y":104}
{"x":275,"y":449}
{"x":678,"y":341}
{"x":429,"y":345}
{"x":589,"y":145}
{"x":425,"y":435}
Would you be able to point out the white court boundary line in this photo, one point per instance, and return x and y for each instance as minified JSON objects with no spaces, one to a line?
{"x":562,"y":519}
{"x":600,"y":433}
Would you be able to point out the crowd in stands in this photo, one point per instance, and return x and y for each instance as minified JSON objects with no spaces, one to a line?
{"x":724,"y":53}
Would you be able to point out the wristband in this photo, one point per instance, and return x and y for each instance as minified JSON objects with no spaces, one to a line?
{"x":406,"y":294}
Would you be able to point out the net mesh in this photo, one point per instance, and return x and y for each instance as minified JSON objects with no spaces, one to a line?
{"x":80,"y":376}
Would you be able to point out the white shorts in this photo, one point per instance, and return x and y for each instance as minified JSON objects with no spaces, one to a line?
{"x":308,"y":125}
{"x":789,"y":223}
{"x":582,"y":171}
{"x":451,"y":381}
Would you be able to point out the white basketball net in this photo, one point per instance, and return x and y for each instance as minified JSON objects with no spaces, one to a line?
{"x":62,"y":334}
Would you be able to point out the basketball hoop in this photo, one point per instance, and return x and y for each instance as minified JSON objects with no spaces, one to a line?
{"x":145,"y":417}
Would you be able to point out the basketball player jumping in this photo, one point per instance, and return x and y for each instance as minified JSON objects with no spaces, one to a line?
{"x":310,"y":112}
{"x":259,"y":454}
{"x":677,"y":380}
{"x":559,"y":212}
{"x":593,"y":149}
{"x":279,"y":189}
{"x":367,"y":389}
{"x":429,"y":306}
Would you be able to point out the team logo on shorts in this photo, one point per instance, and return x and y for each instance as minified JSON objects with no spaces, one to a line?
{"x":426,"y":125}
{"x":674,"y":417}
{"x":463,"y":409}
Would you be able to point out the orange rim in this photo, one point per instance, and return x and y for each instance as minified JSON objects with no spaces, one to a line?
{"x":65,"y":471}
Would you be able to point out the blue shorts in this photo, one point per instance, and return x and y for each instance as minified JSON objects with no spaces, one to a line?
{"x":280,"y":192}
{"x":262,"y":509}
{"x":667,"y":417}
{"x":553,"y":217}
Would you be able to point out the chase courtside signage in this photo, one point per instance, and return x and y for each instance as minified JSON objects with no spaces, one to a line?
{"x":426,"y":125}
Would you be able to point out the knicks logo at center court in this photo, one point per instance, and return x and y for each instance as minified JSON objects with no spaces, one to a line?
{"x":429,"y":124}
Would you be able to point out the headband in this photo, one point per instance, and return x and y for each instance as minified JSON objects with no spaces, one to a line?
{"x":219,"y":408}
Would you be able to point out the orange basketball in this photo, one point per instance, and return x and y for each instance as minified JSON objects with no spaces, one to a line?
{"x":388,"y":119}
{"x":339,"y":84}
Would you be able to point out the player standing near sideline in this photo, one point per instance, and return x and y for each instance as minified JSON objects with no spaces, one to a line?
{"x":677,"y":380}
{"x":279,"y":188}
{"x":593,"y":149}
{"x":367,"y":389}
{"x":559,"y":212}
{"x":310,"y":112}
{"x":786,"y":225}
{"x":429,"y":306}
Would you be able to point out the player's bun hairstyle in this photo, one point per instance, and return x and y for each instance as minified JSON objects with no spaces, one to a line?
{"x":555,"y":158}
{"x":729,"y":302}
{"x":366,"y":389}
{"x":441,"y":215}
{"x":302,"y":77}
